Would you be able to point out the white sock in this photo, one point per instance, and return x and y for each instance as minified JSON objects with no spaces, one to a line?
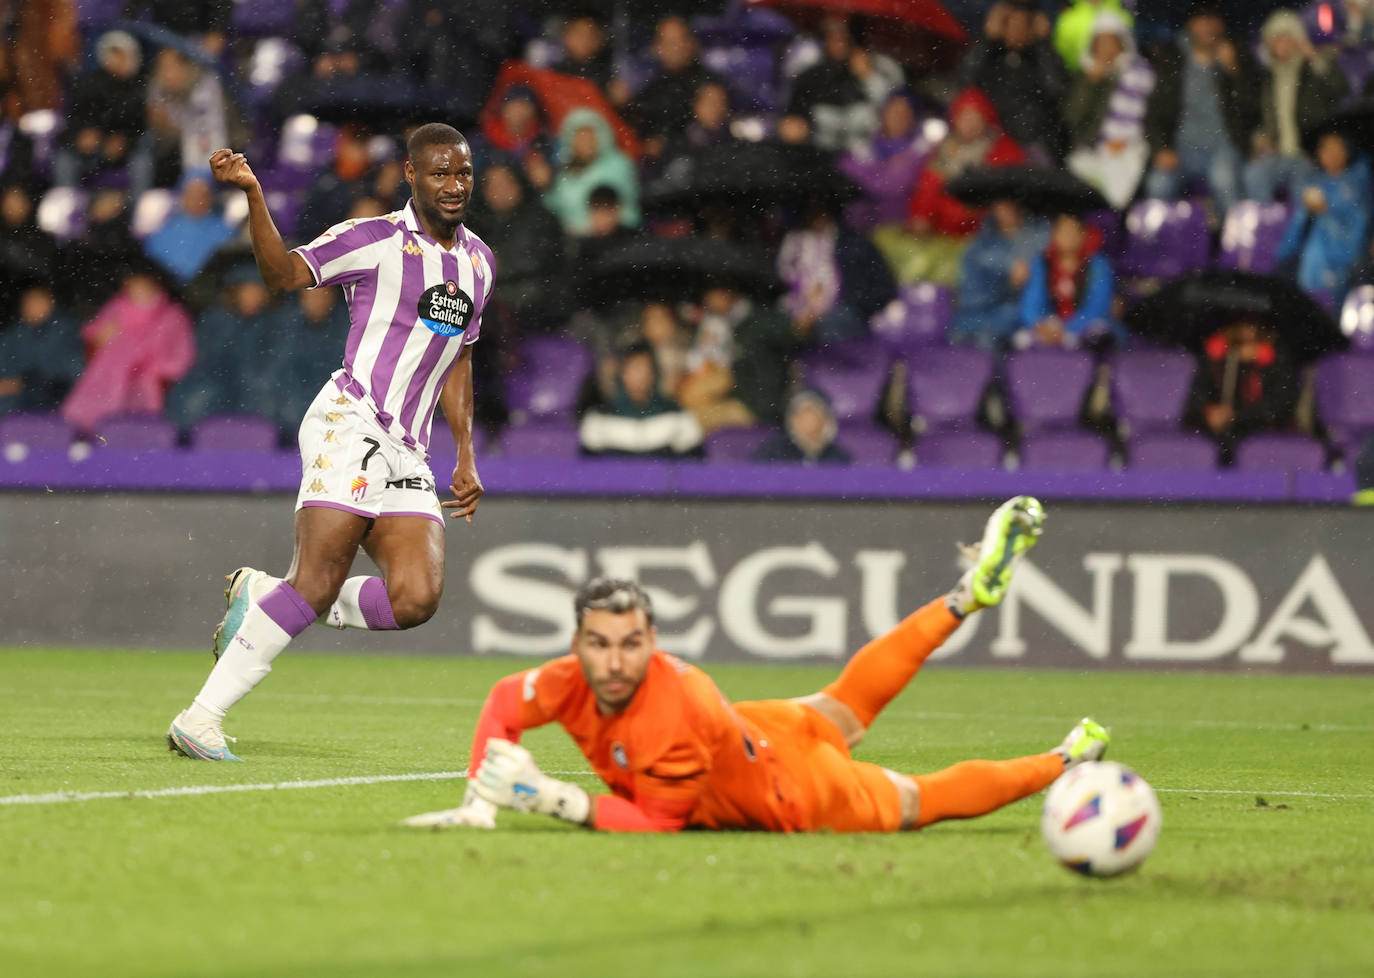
{"x":268,"y":627}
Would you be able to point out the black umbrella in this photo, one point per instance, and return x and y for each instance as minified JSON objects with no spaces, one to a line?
{"x":1192,"y":307}
{"x":1038,"y":189}
{"x":748,"y":176}
{"x":679,"y":269}
{"x":1354,"y":122}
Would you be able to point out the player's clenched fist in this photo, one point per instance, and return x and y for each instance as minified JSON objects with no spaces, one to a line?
{"x":232,"y":168}
{"x":509,"y":778}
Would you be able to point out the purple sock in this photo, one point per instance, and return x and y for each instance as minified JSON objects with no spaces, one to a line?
{"x":285,"y":606}
{"x":376,"y":606}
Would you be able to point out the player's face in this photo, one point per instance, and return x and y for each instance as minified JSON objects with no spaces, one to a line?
{"x":614,"y":650}
{"x":441,"y":181}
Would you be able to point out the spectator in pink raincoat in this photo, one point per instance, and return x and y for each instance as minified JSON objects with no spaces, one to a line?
{"x":137,"y":346}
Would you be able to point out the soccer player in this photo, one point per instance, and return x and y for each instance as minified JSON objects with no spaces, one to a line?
{"x":676,"y":754}
{"x":416,"y":282}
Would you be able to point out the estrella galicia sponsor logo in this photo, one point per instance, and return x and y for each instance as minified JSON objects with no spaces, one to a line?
{"x":446,"y":309}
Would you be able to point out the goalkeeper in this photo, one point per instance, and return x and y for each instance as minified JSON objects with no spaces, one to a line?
{"x":676,"y":754}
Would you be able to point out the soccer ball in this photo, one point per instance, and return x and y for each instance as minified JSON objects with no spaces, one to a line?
{"x":1101,"y":819}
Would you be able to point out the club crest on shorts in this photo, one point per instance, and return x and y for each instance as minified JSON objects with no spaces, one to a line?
{"x":359,"y":488}
{"x":622,"y":760}
{"x":445,"y":309}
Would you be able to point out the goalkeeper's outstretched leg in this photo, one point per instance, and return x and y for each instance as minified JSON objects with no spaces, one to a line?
{"x":882,"y":668}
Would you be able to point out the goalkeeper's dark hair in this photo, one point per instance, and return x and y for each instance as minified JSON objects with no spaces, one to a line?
{"x":611,"y":594}
{"x":433,"y":134}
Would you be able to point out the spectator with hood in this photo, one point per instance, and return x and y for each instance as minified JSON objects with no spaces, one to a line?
{"x":1015,"y":66}
{"x":938,"y":225}
{"x":1105,"y":112}
{"x":834,"y":103}
{"x":187,"y":110}
{"x":664,"y":106}
{"x":1244,"y":383}
{"x":1074,"y":28}
{"x":1068,"y":298}
{"x":518,"y":131}
{"x":1203,"y":111}
{"x":106,"y":118}
{"x":588,"y":158}
{"x":807,"y":436}
{"x":994,"y":270}
{"x":1300,"y":88}
{"x":1330,"y":225}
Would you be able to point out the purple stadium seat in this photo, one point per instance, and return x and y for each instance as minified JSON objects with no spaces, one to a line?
{"x":306,"y":143}
{"x":734,"y":444}
{"x":1171,"y":451}
{"x":541,"y":439}
{"x":1251,"y":236}
{"x":549,"y":381}
{"x":868,"y":444}
{"x":1150,"y":388}
{"x":263,"y":17}
{"x":234,"y":433}
{"x":918,"y":317}
{"x":93,"y":16}
{"x":137,"y":433}
{"x":36,"y":430}
{"x":1046,"y":388}
{"x":1064,"y":451}
{"x":1288,"y":452}
{"x":1357,"y":317}
{"x":852,"y":376}
{"x":1345,"y":395}
{"x":960,"y":450}
{"x":1164,"y":239}
{"x":945,"y":387}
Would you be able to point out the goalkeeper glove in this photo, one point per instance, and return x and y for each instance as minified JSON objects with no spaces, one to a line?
{"x":474,"y":813}
{"x":509,"y":778}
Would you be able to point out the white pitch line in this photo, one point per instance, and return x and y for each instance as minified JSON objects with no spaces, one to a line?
{"x":68,"y":797}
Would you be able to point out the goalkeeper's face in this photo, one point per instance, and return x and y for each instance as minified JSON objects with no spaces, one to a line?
{"x":614,"y":649}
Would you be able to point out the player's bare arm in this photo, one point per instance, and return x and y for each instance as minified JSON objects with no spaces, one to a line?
{"x":456,"y":401}
{"x":281,"y":269}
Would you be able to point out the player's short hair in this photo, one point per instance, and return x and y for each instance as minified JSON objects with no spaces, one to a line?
{"x":433,"y":134}
{"x":612,"y":594}
{"x":603,"y":195}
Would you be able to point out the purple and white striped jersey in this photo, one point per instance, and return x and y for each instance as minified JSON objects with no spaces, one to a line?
{"x":413,"y":306}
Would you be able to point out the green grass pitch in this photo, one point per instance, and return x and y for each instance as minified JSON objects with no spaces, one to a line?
{"x":1265,"y":866}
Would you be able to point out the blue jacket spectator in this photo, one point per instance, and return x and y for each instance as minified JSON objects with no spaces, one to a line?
{"x":192,"y":235}
{"x":993,"y":271}
{"x":1330,"y":226}
{"x":1068,"y":299}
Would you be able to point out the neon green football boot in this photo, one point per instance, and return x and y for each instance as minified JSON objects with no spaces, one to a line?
{"x":1012,"y":529}
{"x":1086,"y":742}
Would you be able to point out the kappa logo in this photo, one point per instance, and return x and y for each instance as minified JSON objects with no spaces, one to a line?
{"x":342,"y":400}
{"x":622,"y":760}
{"x":315,"y":487}
{"x":411,"y":248}
{"x":322,"y":462}
{"x":333,"y":417}
{"x":359,"y":488}
{"x":331,"y":437}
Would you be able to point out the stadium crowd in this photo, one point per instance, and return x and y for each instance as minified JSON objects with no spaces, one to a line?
{"x":726,"y":233}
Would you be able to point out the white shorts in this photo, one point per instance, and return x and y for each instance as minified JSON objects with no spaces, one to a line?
{"x":350,"y":462}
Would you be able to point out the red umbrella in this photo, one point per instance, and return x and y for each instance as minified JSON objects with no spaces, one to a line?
{"x":558,"y":94}
{"x":918,"y":32}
